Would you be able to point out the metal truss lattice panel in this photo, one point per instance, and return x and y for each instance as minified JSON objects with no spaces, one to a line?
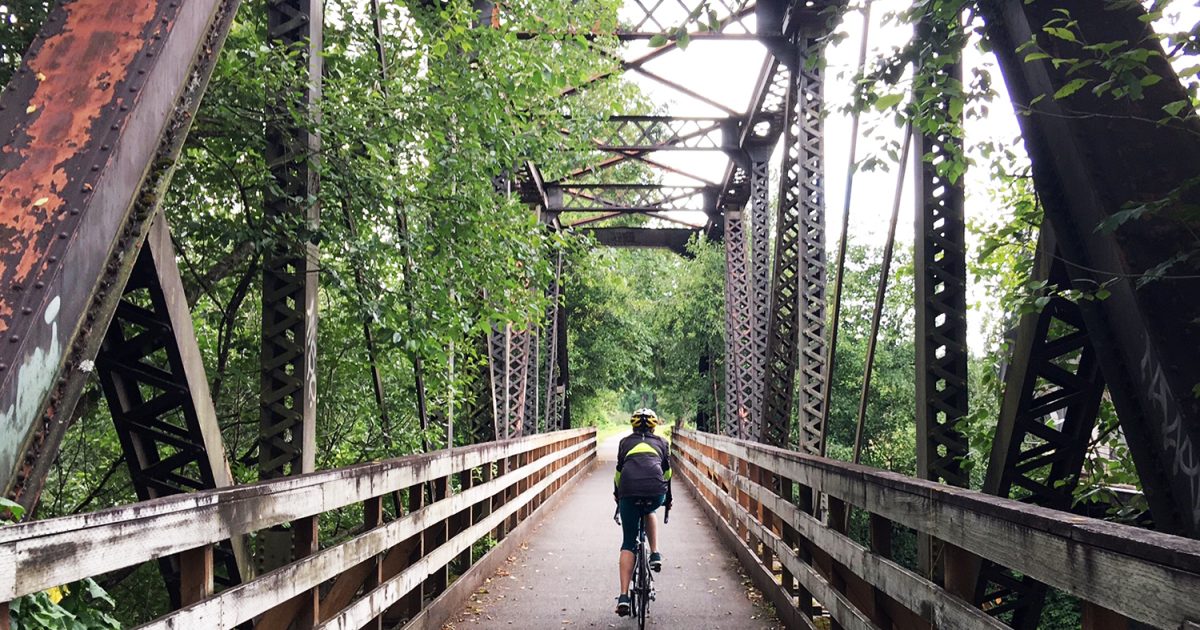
{"x":796,"y":341}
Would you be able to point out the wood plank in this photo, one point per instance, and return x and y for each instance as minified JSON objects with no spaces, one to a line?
{"x":381,"y":598}
{"x":764,"y":580}
{"x":1148,"y":576}
{"x":453,"y":600}
{"x":245,"y":601}
{"x":34,"y":556}
{"x":910,"y":589}
{"x":835,"y":602}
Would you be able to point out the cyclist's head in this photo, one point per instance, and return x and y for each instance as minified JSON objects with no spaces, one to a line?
{"x":644,"y":419}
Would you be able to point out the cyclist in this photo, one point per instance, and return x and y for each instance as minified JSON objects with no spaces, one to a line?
{"x":642,"y":484}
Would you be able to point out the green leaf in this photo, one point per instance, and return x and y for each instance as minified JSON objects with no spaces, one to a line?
{"x":1061,"y":33}
{"x":1070,"y":88}
{"x":1174,"y":108}
{"x":658,"y":40}
{"x":14,"y":509}
{"x":888,"y":101}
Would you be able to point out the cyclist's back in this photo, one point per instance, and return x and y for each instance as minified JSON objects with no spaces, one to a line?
{"x":641,"y":485}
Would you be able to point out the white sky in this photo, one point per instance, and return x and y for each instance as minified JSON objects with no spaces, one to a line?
{"x":726,"y":71}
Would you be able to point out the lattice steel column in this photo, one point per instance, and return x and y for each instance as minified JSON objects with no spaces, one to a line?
{"x":796,"y":338}
{"x":1053,"y":390}
{"x":738,"y":339}
{"x":289,"y":326}
{"x":941,"y":279}
{"x":760,"y":283}
{"x":509,"y":354}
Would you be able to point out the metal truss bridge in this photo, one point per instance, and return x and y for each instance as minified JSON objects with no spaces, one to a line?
{"x":89,"y":281}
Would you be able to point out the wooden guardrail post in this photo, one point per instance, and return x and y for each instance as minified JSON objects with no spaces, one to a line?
{"x":435,"y":536}
{"x":195,"y":575}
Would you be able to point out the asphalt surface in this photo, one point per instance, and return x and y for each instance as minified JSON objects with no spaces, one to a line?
{"x":565,"y":575}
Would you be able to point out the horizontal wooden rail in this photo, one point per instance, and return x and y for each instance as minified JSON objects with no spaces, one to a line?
{"x":499,"y":484}
{"x":763,"y":496}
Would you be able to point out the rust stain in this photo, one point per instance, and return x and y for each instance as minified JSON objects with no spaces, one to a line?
{"x":77,"y":72}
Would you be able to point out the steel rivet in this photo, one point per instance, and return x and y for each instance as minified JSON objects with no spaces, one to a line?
{"x":141,"y":71}
{"x":53,"y":259}
{"x":14,"y":338}
{"x":62,"y":235}
{"x":74,"y":211}
{"x":26,"y":310}
{"x":16,"y":287}
{"x":95,"y":167}
{"x":39,"y":285}
{"x":104,"y":147}
{"x":115,"y":127}
{"x":3,"y":366}
{"x":149,"y":54}
{"x":132,"y":88}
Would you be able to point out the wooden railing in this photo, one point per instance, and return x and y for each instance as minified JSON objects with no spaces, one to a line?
{"x":761,"y":499}
{"x":444,"y":503}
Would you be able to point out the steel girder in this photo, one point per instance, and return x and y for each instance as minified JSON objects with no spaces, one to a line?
{"x":1053,"y":388}
{"x":940,"y":256}
{"x":85,"y":170}
{"x":1092,"y":155}
{"x":150,"y":369}
{"x":738,"y":323}
{"x":287,"y":434}
{"x":797,"y":340}
{"x":674,"y":239}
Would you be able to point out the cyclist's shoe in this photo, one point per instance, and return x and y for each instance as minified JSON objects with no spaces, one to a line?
{"x":656,"y":562}
{"x":623,"y":605}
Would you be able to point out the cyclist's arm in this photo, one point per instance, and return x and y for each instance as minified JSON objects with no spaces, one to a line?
{"x":666,"y":467}
{"x":620,"y":465}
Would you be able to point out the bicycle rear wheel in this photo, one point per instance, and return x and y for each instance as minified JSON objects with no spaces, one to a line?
{"x":643,"y":588}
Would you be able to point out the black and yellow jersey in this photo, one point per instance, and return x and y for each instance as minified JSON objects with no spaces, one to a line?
{"x":643,"y":466}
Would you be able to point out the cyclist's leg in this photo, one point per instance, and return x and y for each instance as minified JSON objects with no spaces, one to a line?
{"x":630,"y":516}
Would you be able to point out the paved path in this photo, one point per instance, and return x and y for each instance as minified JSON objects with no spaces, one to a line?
{"x":566,"y":575}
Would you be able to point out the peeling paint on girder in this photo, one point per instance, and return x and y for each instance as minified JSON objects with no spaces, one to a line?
{"x":35,"y":376}
{"x":99,"y":40}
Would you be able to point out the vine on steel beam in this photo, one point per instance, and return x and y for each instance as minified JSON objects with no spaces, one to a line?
{"x":554,"y":393}
{"x":796,"y":338}
{"x":941,"y":270}
{"x":1053,"y":389}
{"x":79,"y":185}
{"x":287,"y":437}
{"x":1081,"y":146}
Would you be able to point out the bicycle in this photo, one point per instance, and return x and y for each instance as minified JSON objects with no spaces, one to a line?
{"x":641,"y":589}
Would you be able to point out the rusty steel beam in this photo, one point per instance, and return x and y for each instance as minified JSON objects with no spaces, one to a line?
{"x":1094,"y":156}
{"x":90,"y":152}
